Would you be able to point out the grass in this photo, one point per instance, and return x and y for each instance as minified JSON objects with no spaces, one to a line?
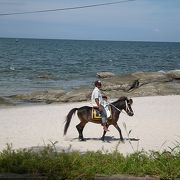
{"x":74,"y":165}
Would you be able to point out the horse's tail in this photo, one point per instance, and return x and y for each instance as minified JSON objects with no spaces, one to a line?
{"x":68,"y":119}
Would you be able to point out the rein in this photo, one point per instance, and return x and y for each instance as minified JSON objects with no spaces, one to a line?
{"x":115,"y":107}
{"x":118,"y":108}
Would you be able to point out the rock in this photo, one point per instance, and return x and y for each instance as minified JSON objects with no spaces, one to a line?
{"x":105,"y":74}
{"x":149,"y":77}
{"x":131,"y":85}
{"x":157,"y":89}
{"x":46,"y":76}
{"x":5,"y":102}
{"x":175,"y":74}
{"x":120,"y":82}
{"x":41,"y":96}
{"x":142,"y":84}
{"x":77,"y":95}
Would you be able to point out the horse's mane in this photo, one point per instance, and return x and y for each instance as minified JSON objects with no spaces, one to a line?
{"x":122,"y":98}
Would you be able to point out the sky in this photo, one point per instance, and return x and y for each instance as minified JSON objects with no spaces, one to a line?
{"x":136,"y":20}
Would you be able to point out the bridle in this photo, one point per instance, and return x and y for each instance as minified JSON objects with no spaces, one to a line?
{"x":127,"y":108}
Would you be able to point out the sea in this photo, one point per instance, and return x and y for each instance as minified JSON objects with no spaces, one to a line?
{"x":28,"y":65}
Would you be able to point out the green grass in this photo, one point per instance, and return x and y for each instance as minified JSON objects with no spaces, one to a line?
{"x":72,"y":165}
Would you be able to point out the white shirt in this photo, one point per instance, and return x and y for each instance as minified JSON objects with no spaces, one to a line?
{"x":96,"y":94}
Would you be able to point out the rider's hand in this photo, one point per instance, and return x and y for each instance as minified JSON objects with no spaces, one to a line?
{"x":100,"y":108}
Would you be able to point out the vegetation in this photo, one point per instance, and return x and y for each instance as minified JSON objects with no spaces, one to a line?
{"x":75,"y":165}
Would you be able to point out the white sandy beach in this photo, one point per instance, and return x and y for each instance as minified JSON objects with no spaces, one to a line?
{"x":156,"y":123}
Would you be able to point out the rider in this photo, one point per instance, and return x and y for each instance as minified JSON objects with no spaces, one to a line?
{"x":97,"y":100}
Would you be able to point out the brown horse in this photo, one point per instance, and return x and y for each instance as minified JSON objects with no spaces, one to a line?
{"x":85,"y":115}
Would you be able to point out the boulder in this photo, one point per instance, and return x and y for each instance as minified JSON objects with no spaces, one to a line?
{"x":175,"y":74}
{"x":142,"y":84}
{"x":149,"y":77}
{"x":41,"y":96}
{"x":77,"y":95}
{"x":105,"y":74}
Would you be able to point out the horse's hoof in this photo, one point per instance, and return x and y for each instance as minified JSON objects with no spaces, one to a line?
{"x":82,"y":139}
{"x":102,"y":139}
{"x":122,"y":140}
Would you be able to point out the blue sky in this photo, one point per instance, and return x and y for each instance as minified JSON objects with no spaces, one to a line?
{"x":138,"y":20}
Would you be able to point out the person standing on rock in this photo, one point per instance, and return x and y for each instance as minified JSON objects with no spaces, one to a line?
{"x":97,"y":101}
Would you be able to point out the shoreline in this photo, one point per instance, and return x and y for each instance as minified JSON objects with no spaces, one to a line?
{"x":155,"y":126}
{"x":137,"y":84}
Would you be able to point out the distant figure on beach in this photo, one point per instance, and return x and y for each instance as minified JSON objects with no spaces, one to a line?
{"x":97,"y":101}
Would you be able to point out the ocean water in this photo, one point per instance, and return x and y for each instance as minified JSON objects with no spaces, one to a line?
{"x":28,"y":65}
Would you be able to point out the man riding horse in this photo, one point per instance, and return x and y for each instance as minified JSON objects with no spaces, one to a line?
{"x":86,"y":113}
{"x":97,"y":101}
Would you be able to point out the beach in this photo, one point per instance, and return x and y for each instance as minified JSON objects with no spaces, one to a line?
{"x":154,"y":126}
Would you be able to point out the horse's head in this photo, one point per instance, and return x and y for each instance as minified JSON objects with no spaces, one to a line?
{"x":127,"y":105}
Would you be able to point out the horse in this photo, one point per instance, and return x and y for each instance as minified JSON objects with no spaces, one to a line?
{"x":84,"y":114}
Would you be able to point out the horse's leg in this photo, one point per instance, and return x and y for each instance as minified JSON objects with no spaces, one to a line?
{"x":80,"y":128}
{"x":104,"y":133}
{"x":119,"y":130}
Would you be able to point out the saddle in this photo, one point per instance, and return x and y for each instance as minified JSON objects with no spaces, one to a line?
{"x":96,"y":114}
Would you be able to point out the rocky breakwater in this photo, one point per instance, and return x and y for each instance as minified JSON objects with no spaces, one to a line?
{"x":114,"y":86}
{"x":143,"y":84}
{"x":38,"y":97}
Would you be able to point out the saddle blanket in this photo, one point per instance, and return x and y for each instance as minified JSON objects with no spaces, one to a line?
{"x":96,"y":114}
